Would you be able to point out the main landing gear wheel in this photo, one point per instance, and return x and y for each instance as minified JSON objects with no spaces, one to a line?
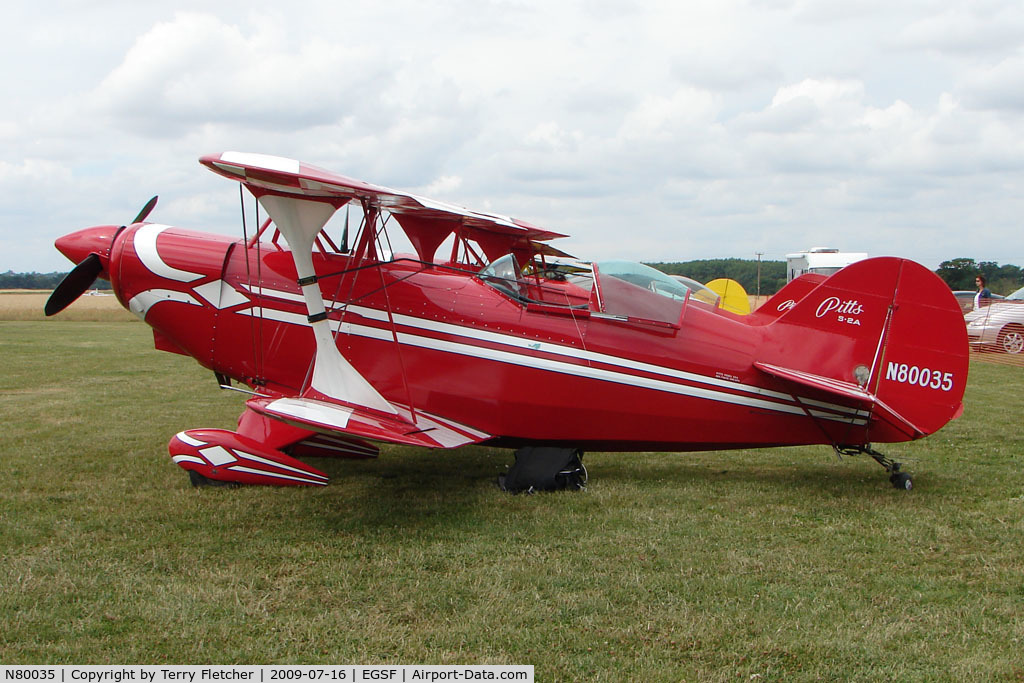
{"x":545,"y":468}
{"x":898,"y":478}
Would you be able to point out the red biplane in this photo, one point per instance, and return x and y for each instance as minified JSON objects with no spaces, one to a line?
{"x":499,"y":338}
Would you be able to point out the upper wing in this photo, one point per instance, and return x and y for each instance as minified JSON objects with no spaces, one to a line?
{"x":427,"y":221}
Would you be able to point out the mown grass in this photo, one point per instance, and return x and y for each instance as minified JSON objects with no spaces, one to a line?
{"x":754,"y":565}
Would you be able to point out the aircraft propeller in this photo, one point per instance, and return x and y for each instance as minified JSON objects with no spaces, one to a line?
{"x":146,"y":210}
{"x":85,"y":273}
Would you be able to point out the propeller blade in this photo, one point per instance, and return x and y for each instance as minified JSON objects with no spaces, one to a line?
{"x":145,"y":210}
{"x":74,"y":284}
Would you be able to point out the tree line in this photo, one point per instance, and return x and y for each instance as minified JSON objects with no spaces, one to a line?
{"x":743,"y":271}
{"x":12,"y":280}
{"x":958,"y":273}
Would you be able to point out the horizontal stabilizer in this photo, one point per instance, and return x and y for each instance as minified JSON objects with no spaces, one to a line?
{"x":845,"y":390}
{"x":404,"y":428}
{"x":833,"y":386}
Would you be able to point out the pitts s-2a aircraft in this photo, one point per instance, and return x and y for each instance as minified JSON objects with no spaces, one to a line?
{"x":505,"y":340}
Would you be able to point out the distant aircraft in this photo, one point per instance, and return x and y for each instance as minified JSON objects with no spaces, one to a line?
{"x":721,"y":292}
{"x":734,"y":297}
{"x":498,"y":340}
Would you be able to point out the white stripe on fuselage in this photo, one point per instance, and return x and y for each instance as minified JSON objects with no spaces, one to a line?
{"x":562,"y":367}
{"x":143,"y":301}
{"x":526,"y":344}
{"x":145,"y":246}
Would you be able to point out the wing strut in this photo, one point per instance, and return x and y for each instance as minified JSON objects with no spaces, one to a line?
{"x":300,"y":220}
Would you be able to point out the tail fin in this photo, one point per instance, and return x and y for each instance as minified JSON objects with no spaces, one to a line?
{"x":786,"y":298}
{"x":886,"y":332}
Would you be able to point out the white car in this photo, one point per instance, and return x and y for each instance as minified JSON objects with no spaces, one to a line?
{"x":998,"y":326}
{"x":965,"y":297}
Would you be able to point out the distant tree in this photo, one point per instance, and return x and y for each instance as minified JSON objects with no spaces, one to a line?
{"x":1003,"y":279}
{"x":744,"y":271}
{"x":959,"y":273}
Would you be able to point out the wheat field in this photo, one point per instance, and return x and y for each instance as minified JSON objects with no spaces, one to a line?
{"x":27,"y":304}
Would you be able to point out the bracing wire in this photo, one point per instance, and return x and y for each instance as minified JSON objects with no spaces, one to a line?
{"x":259,"y":279}
{"x":248,"y":275}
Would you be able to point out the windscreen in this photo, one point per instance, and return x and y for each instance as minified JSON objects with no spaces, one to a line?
{"x":638,"y":291}
{"x":503,"y":274}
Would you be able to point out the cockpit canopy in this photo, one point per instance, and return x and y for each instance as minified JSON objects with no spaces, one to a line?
{"x":616,"y":288}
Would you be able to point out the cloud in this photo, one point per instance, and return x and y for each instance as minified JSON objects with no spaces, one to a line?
{"x":967,"y":28}
{"x":645,"y":129}
{"x":999,"y":86}
{"x":660,"y":118}
{"x":33,"y":171}
{"x":196,"y":69}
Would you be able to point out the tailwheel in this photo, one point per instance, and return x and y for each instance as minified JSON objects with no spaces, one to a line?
{"x":901,"y":480}
{"x":898,"y":478}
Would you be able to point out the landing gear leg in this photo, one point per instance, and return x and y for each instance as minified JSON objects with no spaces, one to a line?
{"x":898,"y":478}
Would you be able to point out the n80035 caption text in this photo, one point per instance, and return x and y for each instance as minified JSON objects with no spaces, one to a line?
{"x":262,"y":674}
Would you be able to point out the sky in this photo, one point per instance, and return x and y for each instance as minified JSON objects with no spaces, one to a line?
{"x":648,"y":130}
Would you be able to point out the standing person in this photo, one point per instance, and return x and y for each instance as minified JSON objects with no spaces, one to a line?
{"x":983,"y":292}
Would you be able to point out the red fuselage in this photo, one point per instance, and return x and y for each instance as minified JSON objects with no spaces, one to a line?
{"x":443,"y":341}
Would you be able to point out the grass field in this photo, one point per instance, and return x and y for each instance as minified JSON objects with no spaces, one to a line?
{"x":753,"y":565}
